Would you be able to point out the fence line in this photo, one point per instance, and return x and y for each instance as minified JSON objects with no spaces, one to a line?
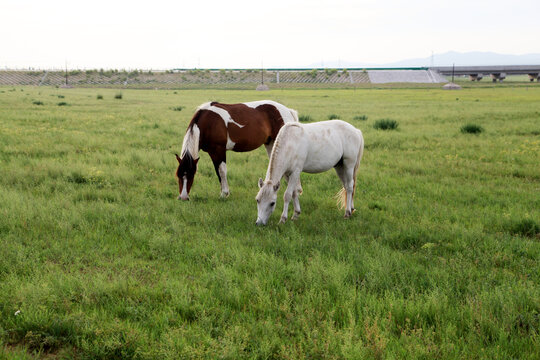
{"x":177,"y":77}
{"x":186,"y":77}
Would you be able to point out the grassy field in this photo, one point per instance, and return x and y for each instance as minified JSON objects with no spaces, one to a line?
{"x":98,"y":260}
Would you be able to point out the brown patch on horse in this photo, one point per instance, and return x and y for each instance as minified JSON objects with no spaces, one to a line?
{"x":261,"y":127}
{"x":272,"y":113}
{"x":213,"y":130}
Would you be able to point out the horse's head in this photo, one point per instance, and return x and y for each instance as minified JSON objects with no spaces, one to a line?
{"x":266,"y":200}
{"x":187,"y":166}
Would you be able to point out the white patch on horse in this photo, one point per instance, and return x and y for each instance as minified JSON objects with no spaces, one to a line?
{"x":230,"y":143}
{"x":191,"y":142}
{"x":223,"y":174}
{"x":221,"y":112}
{"x":184,"y":195}
{"x":288,"y":115}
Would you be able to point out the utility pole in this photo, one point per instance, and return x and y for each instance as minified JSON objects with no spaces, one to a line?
{"x":261,"y":86}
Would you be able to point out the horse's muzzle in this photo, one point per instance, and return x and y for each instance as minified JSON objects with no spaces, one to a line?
{"x":186,"y":198}
{"x":259,"y":222}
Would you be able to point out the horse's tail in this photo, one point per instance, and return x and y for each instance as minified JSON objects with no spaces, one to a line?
{"x":360,"y":154}
{"x":341,"y":196}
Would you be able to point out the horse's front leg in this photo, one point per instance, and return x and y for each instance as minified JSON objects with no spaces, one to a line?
{"x":296,"y":204}
{"x":219,"y":159}
{"x":290,"y":193}
{"x":269,"y":147}
{"x":295,"y":179}
{"x":286,"y":200}
{"x":224,"y":184}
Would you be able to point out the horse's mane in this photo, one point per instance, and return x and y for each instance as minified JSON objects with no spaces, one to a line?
{"x":191,"y":139}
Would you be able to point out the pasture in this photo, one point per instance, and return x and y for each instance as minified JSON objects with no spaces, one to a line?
{"x":98,"y":260}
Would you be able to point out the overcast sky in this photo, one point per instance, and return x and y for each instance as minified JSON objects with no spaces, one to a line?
{"x":163,"y":34}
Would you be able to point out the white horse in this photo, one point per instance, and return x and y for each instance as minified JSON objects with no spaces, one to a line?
{"x":312,"y":148}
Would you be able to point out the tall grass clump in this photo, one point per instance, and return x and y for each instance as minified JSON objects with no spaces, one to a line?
{"x":99,"y":97}
{"x":333,"y":116}
{"x":178,"y":108}
{"x":62,"y":103}
{"x":118,"y":96}
{"x":524,"y":227}
{"x":360,"y":118}
{"x":385,"y":124}
{"x":471,"y":129}
{"x":305,"y":118}
{"x":37,"y":102}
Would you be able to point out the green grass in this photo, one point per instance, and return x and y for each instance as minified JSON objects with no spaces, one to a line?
{"x":439,"y":261}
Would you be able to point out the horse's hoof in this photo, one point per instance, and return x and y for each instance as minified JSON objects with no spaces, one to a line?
{"x":347,"y":214}
{"x":283,"y":220}
{"x":225,"y":195}
{"x":295,"y":216}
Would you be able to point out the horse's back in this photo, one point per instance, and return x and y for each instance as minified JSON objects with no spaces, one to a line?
{"x":242,"y":126}
{"x":287,"y":114}
{"x":330,"y":143}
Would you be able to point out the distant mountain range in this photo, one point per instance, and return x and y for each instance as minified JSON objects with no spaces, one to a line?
{"x":474,"y":58}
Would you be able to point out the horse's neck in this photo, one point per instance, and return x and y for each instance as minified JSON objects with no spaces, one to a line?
{"x":277,"y":167}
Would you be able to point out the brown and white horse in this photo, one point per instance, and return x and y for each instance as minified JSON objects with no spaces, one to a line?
{"x":216,"y":128}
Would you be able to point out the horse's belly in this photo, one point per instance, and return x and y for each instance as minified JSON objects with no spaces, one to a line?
{"x":322,"y":155}
{"x":247,"y":138}
{"x":318,"y":164}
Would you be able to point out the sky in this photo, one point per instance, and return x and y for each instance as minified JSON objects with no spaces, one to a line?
{"x":163,"y":34}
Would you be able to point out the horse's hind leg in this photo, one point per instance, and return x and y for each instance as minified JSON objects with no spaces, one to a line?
{"x":219,"y":159}
{"x":345,"y":173}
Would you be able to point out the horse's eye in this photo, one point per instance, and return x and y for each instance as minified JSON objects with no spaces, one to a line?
{"x":258,"y":201}
{"x":272,"y":203}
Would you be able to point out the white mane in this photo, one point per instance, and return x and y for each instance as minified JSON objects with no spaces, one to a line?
{"x":204,"y":106}
{"x":191,"y":142}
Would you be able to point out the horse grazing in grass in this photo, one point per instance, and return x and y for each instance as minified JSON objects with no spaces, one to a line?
{"x":312,"y":148}
{"x":216,"y":128}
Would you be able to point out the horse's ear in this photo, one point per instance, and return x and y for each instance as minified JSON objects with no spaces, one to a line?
{"x":260,"y":183}
{"x":178,"y":158}
{"x":276,"y":187}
